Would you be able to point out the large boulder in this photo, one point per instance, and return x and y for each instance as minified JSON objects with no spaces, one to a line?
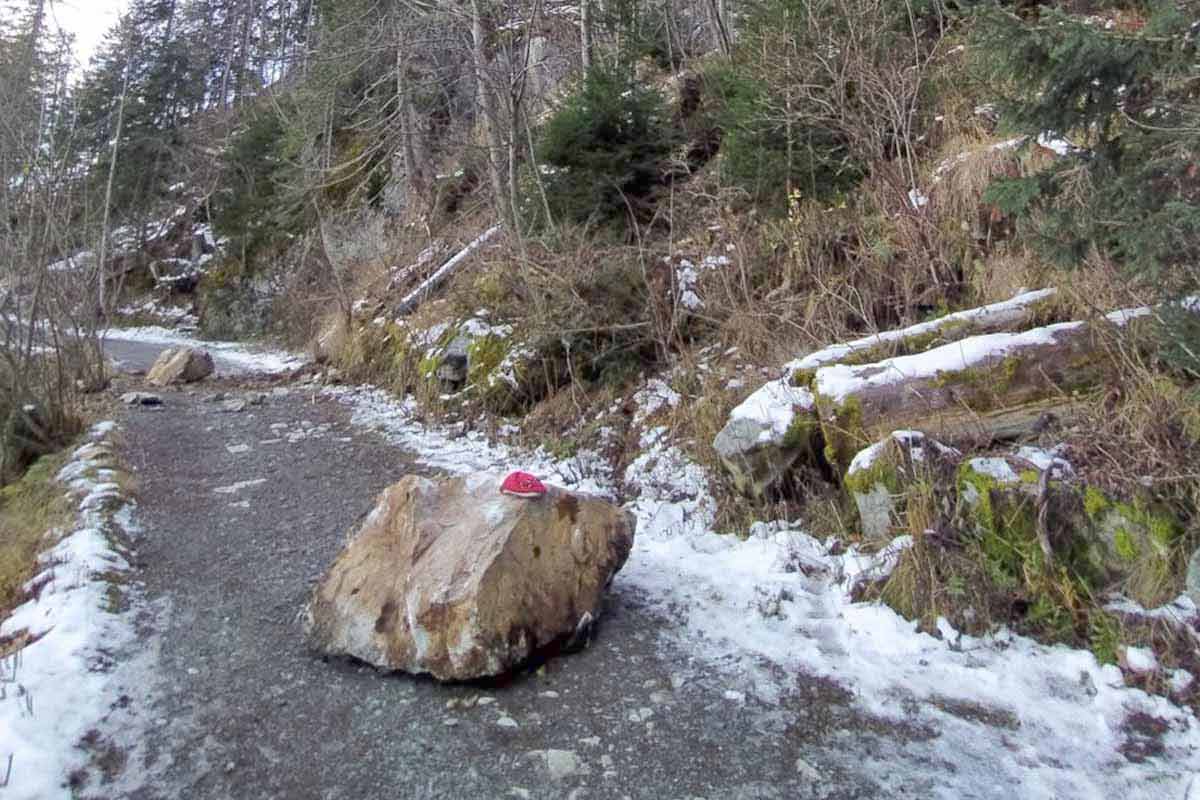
{"x":454,"y":579}
{"x":180,"y":365}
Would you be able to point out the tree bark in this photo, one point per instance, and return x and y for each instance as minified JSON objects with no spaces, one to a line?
{"x":491,"y":121}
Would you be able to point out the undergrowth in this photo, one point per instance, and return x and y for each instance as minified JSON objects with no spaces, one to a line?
{"x":29,"y":507}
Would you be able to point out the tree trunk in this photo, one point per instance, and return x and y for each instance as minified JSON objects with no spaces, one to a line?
{"x":102,"y":256}
{"x":491,"y":121}
{"x":585,"y":34}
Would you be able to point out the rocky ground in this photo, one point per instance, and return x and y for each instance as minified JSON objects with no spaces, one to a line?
{"x":242,"y":511}
{"x":246,"y":488}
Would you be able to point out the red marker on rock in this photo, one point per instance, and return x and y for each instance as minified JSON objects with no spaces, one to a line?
{"x":522,"y":484}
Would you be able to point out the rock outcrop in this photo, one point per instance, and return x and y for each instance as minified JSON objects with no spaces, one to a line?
{"x":180,"y":365}
{"x":454,"y":579}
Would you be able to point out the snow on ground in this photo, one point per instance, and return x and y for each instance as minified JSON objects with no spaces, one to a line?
{"x":57,"y":688}
{"x":240,"y":356}
{"x":1013,"y":717}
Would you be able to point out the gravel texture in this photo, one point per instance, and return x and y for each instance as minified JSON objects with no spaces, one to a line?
{"x":242,"y":512}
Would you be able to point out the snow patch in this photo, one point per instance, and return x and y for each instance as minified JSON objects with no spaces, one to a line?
{"x":60,"y":686}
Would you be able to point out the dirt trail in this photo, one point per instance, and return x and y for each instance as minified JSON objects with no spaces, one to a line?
{"x":243,"y":511}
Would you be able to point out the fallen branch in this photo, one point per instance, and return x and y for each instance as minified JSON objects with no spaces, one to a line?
{"x":416,"y":296}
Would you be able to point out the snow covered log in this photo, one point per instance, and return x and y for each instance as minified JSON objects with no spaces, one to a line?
{"x":413,"y":298}
{"x":1015,"y":314}
{"x":993,"y":386}
{"x":776,"y":426}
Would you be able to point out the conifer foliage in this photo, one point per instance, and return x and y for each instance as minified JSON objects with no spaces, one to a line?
{"x":1127,"y":95}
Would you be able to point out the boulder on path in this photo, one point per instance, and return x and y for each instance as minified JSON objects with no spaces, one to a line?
{"x":449,"y":577}
{"x":180,"y":365}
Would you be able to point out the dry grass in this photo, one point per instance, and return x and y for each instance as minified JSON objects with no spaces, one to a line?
{"x":29,"y":508}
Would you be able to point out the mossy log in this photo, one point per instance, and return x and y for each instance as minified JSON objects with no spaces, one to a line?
{"x":995,"y":386}
{"x":1015,"y":314}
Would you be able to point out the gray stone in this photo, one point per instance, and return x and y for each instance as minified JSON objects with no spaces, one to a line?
{"x":141,"y":399}
{"x":765,"y":436}
{"x":1191,"y":583}
{"x":180,"y":365}
{"x":880,"y":477}
{"x":234,"y":406}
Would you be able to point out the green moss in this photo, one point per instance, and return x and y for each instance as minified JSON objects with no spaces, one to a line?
{"x":881,"y":472}
{"x":1104,"y":637}
{"x":1030,"y":476}
{"x":1124,"y":545}
{"x":484,"y":354}
{"x":1094,"y":502}
{"x":802,"y":433}
{"x":844,"y":434}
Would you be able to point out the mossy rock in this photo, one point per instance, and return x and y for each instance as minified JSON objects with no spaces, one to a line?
{"x":1140,"y":540}
{"x":767,"y":435}
{"x":998,"y":502}
{"x":903,"y":482}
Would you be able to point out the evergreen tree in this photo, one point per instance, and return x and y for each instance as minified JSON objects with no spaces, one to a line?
{"x":1129,"y":98}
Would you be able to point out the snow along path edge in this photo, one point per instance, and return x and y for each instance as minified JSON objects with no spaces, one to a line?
{"x":58,"y":688}
{"x":243,"y":357}
{"x":779,"y":604}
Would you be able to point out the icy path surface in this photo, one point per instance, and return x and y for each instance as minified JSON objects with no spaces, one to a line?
{"x":1014,"y":718}
{"x":230,"y":357}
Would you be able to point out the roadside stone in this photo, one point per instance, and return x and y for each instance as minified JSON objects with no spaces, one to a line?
{"x":1191,"y":585}
{"x":454,"y":579}
{"x":507,"y":722}
{"x":560,"y":764}
{"x":233,"y":406}
{"x":881,"y":480}
{"x":180,"y":365}
{"x":141,"y":399}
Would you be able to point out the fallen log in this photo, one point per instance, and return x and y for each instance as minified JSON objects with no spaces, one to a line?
{"x":414,"y":298}
{"x":1014,"y":314}
{"x":996,"y":386}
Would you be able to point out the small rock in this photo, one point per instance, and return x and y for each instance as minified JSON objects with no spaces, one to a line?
{"x":641,"y":714}
{"x":1140,"y":660}
{"x":237,"y":449}
{"x":141,"y":399}
{"x":258,"y":399}
{"x":549,"y":694}
{"x":216,"y":398}
{"x":590,"y":741}
{"x":507,"y":722}
{"x":807,"y":770}
{"x":180,"y":365}
{"x":233,"y":406}
{"x":485,"y":701}
{"x":560,"y":764}
{"x":736,"y":697}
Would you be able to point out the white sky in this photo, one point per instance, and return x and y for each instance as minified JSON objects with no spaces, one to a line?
{"x":89,"y":20}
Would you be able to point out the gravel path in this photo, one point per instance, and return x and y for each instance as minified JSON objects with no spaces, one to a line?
{"x":243,"y":511}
